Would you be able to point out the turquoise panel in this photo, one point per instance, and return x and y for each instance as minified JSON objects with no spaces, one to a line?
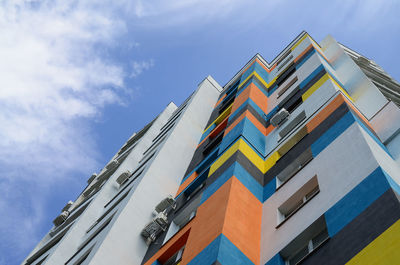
{"x":311,"y":76}
{"x":242,"y":175}
{"x":332,"y":133}
{"x":269,"y":189}
{"x":222,"y":250}
{"x":356,"y":201}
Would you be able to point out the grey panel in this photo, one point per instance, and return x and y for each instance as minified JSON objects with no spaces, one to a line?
{"x":292,"y":124}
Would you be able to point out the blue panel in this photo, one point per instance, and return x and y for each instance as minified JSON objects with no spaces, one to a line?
{"x":231,"y":137}
{"x":209,"y":254}
{"x":269,"y":189}
{"x":210,"y":190}
{"x":242,"y":175}
{"x":250,"y":102}
{"x":272,"y":90}
{"x":311,"y":76}
{"x":271,"y":113}
{"x":247,"y":73}
{"x":229,"y":254}
{"x":248,"y":181}
{"x":276,"y":260}
{"x":223,"y":250}
{"x":332,"y":133}
{"x":254,"y":136}
{"x":300,"y":63}
{"x":356,"y":201}
{"x":206,"y":133}
{"x":261,"y":71}
{"x":156,"y":263}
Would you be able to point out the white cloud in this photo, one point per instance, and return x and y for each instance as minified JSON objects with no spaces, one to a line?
{"x":53,"y":78}
{"x":139,"y":67}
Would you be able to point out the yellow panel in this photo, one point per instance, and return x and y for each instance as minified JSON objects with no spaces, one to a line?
{"x":270,"y":161}
{"x":317,"y":85}
{"x":293,"y":141}
{"x":298,"y":43}
{"x":223,"y":115}
{"x":221,"y":160}
{"x":267,"y":85}
{"x":245,"y":149}
{"x":220,"y":118}
{"x":262,"y":80}
{"x":251,"y":155}
{"x":385,"y":249}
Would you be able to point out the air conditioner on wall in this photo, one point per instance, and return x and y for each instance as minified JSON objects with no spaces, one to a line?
{"x":61,"y":218}
{"x":93,"y":177}
{"x":154,"y":228}
{"x":165,"y":204}
{"x":123,"y":177}
{"x":67,"y":206}
{"x":112,"y":164}
{"x":280,"y":117}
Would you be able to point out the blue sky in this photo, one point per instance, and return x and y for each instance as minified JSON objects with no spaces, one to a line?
{"x":79,"y":77}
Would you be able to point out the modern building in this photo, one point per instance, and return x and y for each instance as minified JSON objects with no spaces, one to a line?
{"x":296,"y":161}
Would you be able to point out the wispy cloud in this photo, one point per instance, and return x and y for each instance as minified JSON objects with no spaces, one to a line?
{"x":139,"y":67}
{"x":53,"y":77}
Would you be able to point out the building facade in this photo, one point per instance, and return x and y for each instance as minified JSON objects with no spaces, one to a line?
{"x":296,"y":161}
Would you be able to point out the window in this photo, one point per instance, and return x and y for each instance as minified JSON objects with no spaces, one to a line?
{"x":292,"y":124}
{"x":286,"y":74}
{"x":305,"y":243}
{"x":280,"y":66}
{"x":176,"y":258}
{"x":294,"y":167}
{"x":289,"y":85}
{"x":298,"y":200}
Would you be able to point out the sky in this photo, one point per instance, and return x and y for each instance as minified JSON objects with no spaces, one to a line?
{"x":79,"y":77}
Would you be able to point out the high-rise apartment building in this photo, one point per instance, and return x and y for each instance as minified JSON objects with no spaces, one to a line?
{"x":296,"y":161}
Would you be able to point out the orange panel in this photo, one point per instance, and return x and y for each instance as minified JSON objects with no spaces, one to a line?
{"x":208,"y":223}
{"x":269,"y":129}
{"x":324,"y":113}
{"x":186,"y":182}
{"x":251,"y":117}
{"x":174,"y":247}
{"x":258,"y":97}
{"x":242,"y":225}
{"x":216,"y":130}
{"x":234,"y":123}
{"x":219,"y":128}
{"x":263,"y":66}
{"x":304,"y":52}
{"x":239,"y":100}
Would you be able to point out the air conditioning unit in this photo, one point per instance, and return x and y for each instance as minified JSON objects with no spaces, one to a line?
{"x":61,"y":218}
{"x":93,"y":177}
{"x":112,"y":164}
{"x":67,"y":206}
{"x":279,"y":117}
{"x":123,"y":177}
{"x":162,"y":220}
{"x":153,"y":229}
{"x":87,"y":192}
{"x":166,"y":203}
